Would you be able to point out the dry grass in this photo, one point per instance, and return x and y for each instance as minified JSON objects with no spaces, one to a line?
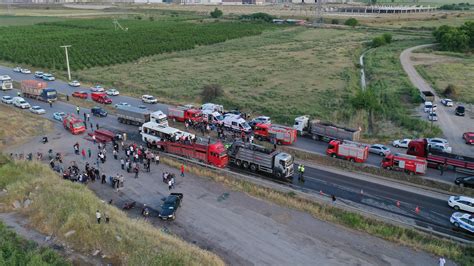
{"x":60,"y":206}
{"x":18,"y":126}
{"x":408,"y":237}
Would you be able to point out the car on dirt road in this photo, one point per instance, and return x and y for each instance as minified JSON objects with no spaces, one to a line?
{"x":401,"y":143}
{"x":463,"y":221}
{"x":149,"y":99}
{"x":80,"y":94}
{"x":468,"y":137}
{"x":37,"y":110}
{"x":467,"y":181}
{"x":59,"y":116}
{"x":433,"y":116}
{"x":7,"y":99}
{"x":461,"y":203}
{"x":74,"y":83}
{"x":430,"y":107}
{"x":112,"y":92}
{"x":460,"y":111}
{"x":447,"y":102}
{"x":379,"y":149}
{"x":98,"y":111}
{"x":170,"y":206}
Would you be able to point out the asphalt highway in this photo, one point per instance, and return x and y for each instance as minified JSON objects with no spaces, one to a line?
{"x":434,"y":212}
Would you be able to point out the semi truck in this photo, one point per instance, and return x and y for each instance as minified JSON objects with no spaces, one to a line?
{"x":6,"y":85}
{"x":132,"y":115}
{"x":275,"y":133}
{"x":427,"y":96}
{"x":437,"y":159}
{"x":348,"y":150}
{"x":319,"y":130}
{"x":258,"y":158}
{"x":403,"y":162}
{"x":101,"y":97}
{"x":38,"y":90}
{"x":183,"y":113}
{"x":73,"y":124}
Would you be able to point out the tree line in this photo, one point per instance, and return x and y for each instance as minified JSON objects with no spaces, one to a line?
{"x":456,"y":39}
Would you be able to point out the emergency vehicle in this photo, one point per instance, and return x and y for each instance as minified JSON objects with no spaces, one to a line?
{"x":407,"y":163}
{"x":73,"y":124}
{"x":236,"y":123}
{"x":275,"y":133}
{"x":349,"y":150}
{"x":183,"y":113}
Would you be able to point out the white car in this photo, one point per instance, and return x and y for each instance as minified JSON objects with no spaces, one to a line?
{"x":25,"y":71}
{"x":433,"y":116}
{"x":17,"y":69}
{"x":7,"y":99}
{"x":39,"y":74}
{"x":112,"y":92}
{"x":21,"y":103}
{"x":379,"y":149}
{"x":5,"y":78}
{"x":48,"y":77}
{"x":432,"y":141}
{"x":37,"y":110}
{"x":429,"y":107}
{"x":463,"y":220}
{"x":461,"y":203}
{"x":447,"y":102}
{"x":401,"y":143}
{"x":59,"y":116}
{"x":97,"y":88}
{"x":74,"y":83}
{"x":440,"y":148}
{"x":149,"y":99}
{"x":122,"y":104}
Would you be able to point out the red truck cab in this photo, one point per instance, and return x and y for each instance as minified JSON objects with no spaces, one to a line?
{"x":73,"y":124}
{"x":348,"y":150}
{"x":407,"y":163}
{"x":281,"y":134}
{"x":101,"y":97}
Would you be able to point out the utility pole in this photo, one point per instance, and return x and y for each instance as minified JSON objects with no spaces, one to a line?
{"x":318,"y":18}
{"x":67,"y":61}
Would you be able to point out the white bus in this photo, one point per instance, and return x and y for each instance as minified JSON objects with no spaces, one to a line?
{"x":152,"y":132}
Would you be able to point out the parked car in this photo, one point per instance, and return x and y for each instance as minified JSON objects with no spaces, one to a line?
{"x":142,"y":107}
{"x":461,"y":203}
{"x":467,"y":181}
{"x":112,"y":92}
{"x":39,"y":74}
{"x":440,"y":148}
{"x":80,"y":94}
{"x":401,"y":143}
{"x":447,"y":102}
{"x":48,"y":77}
{"x":149,"y":99}
{"x":463,"y":220}
{"x":97,"y":88}
{"x":460,"y":110}
{"x":468,"y":137}
{"x":170,"y":206}
{"x":37,"y":110}
{"x":98,"y":111}
{"x":433,"y":116}
{"x":122,"y":104}
{"x":379,"y":149}
{"x":5,"y":78}
{"x":74,"y":83}
{"x":25,"y":71}
{"x":437,"y":141}
{"x":430,"y":107}
{"x":7,"y":99}
{"x":21,"y":103}
{"x":59,"y":116}
{"x":260,"y":120}
{"x":17,"y":69}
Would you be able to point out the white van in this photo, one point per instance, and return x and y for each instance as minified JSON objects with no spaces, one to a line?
{"x":213,"y":107}
{"x":6,"y":85}
{"x":236,"y":123}
{"x":430,"y":107}
{"x":20,"y":103}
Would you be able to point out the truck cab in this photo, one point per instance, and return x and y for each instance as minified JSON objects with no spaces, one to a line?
{"x":159,"y":117}
{"x":301,"y":124}
{"x":6,"y":85}
{"x":49,"y":94}
{"x":283,"y":165}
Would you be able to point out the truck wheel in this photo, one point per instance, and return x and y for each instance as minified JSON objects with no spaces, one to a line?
{"x":238,"y":163}
{"x":279,"y":142}
{"x":278,"y":174}
{"x":333,"y":155}
{"x":253,"y":168}
{"x":411,"y":173}
{"x":314,"y":137}
{"x":351,"y":160}
{"x":245,"y":165}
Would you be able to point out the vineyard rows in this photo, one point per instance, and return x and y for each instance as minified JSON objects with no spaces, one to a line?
{"x":96,"y":42}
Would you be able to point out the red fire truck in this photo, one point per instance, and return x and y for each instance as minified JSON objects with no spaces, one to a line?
{"x":403,"y":162}
{"x":100,"y":97}
{"x":213,"y":153}
{"x":183,"y":113}
{"x":271,"y":132}
{"x":349,"y":150}
{"x":73,"y":124}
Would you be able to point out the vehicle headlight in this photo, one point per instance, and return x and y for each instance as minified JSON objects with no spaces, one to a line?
{"x":170,"y":216}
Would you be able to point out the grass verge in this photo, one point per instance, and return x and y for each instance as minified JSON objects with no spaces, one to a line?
{"x":59,"y":207}
{"x":464,"y":255}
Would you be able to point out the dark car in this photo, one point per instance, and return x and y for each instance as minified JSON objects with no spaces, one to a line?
{"x":467,"y":181}
{"x":170,"y":206}
{"x":98,"y":111}
{"x":460,"y":110}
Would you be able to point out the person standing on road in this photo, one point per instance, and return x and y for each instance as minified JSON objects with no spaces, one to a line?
{"x":89,"y":152}
{"x":115,"y":154}
{"x":442,"y":168}
{"x":78,"y":110}
{"x":67,"y":97}
{"x":157,"y":159}
{"x":442,"y":261}
{"x":301,"y":173}
{"x":88,"y":116}
{"x":333,"y":197}
{"x":97,"y":126}
{"x":170,"y":184}
{"x":103,"y":181}
{"x":85,"y":117}
{"x":182,"y":169}
{"x":122,"y":163}
{"x":83,"y":154}
{"x":136,"y":170}
{"x":50,"y":103}
{"x":98,"y":216}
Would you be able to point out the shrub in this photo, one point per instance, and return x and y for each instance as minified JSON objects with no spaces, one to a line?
{"x":378,"y":41}
{"x":456,"y":39}
{"x":335,"y":21}
{"x":351,"y":22}
{"x":217,"y":13}
{"x":450,"y":91}
{"x":258,"y":16}
{"x":211,"y":92}
{"x":387,"y":37}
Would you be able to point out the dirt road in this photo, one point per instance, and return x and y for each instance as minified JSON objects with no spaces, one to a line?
{"x":243,"y":230}
{"x":452,"y":126}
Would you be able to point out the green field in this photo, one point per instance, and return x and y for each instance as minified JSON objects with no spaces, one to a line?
{"x":95,"y":42}
{"x":24,"y":20}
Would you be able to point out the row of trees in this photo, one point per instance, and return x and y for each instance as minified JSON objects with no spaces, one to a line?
{"x":456,"y":39}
